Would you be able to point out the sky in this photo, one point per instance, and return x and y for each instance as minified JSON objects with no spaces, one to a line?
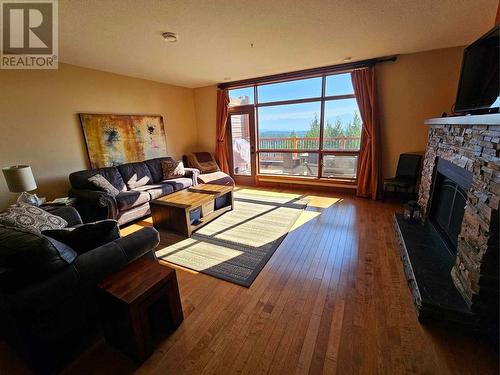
{"x":299,"y":116}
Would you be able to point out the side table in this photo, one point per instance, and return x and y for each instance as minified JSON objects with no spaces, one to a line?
{"x":140,"y":304}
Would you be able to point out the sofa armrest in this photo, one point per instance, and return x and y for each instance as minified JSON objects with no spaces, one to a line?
{"x":94,"y":205}
{"x":192,"y":173}
{"x":139,"y":243}
{"x":95,"y":265}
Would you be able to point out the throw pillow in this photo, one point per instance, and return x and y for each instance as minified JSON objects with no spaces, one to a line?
{"x":31,"y":218}
{"x":102,"y":184}
{"x":86,"y":237}
{"x":172,"y":169}
{"x":31,"y":256}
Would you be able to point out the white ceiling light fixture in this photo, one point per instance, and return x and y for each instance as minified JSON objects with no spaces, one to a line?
{"x":170,"y":36}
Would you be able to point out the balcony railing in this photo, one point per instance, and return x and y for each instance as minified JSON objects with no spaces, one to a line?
{"x":309,"y":143}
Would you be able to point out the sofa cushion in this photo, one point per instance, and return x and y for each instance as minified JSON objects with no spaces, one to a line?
{"x":129,"y":199}
{"x":135,"y":174}
{"x":172,"y":169}
{"x":85,"y":237}
{"x":80,"y":180}
{"x":179,"y":183}
{"x":161,"y":191}
{"x":155,"y":168}
{"x":31,"y":218}
{"x":216,"y":178}
{"x":32,"y":254}
{"x":102,"y":184}
{"x":133,"y":213}
{"x":157,"y":190}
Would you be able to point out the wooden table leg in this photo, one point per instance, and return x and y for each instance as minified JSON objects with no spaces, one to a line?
{"x":174,"y":302}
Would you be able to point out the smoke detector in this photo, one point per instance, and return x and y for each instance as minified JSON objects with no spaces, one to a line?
{"x":170,"y":37}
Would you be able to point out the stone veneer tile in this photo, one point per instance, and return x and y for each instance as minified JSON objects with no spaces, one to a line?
{"x":475,"y":148}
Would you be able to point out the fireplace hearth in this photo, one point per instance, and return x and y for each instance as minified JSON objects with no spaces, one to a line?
{"x":451,"y":260}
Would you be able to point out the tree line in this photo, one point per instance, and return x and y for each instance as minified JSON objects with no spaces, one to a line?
{"x":337,"y":129}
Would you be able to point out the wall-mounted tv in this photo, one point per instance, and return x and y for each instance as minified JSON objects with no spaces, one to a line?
{"x":478,"y":89}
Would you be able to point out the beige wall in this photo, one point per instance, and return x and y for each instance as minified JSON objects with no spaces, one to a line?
{"x":39,"y":125}
{"x":415,"y":87}
{"x":205,"y":99}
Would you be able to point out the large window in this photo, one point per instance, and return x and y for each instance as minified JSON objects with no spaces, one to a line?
{"x":307,"y":127}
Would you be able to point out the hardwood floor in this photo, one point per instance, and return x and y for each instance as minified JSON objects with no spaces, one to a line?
{"x":332,"y":300}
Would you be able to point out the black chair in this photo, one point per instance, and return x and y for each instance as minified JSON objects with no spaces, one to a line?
{"x":406,"y":175}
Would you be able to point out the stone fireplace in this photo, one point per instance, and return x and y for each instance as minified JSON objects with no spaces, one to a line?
{"x":459,"y":196}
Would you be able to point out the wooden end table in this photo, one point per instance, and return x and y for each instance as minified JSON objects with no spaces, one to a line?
{"x":175,"y":211}
{"x":140,"y":305}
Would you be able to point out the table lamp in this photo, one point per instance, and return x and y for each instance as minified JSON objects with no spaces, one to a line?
{"x":20,"y":180}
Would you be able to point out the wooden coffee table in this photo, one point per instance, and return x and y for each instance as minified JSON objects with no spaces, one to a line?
{"x":140,"y":304}
{"x":187,"y":210}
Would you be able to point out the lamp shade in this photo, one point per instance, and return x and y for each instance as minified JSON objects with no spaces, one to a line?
{"x":19,"y":178}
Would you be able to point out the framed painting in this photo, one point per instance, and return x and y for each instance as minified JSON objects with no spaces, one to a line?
{"x":117,"y":139}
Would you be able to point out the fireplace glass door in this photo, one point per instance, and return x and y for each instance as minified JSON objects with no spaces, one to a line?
{"x":448,"y":206}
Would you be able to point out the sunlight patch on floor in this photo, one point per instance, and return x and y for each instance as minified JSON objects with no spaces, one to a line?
{"x":176,"y":266}
{"x":321,"y":202}
{"x":268,"y":193}
{"x":203,"y":255}
{"x":304,"y":217}
{"x":129,"y":229}
{"x":134,"y":227}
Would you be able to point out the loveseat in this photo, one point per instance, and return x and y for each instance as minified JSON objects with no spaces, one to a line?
{"x":48,"y":309}
{"x":209,"y":170}
{"x":138,"y":183}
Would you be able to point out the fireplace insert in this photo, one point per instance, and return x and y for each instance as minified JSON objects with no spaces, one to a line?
{"x":449,"y":197}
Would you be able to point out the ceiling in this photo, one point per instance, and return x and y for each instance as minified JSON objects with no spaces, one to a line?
{"x":216,"y":36}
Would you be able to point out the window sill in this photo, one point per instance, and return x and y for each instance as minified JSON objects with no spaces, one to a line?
{"x":302,"y":180}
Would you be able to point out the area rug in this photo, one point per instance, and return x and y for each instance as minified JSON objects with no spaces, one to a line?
{"x":236,"y":246}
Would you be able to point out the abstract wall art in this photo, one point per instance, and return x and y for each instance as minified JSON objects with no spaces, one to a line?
{"x":117,"y":139}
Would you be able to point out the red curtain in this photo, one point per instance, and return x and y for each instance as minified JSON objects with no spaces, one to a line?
{"x":364,"y":84}
{"x":221,"y":153}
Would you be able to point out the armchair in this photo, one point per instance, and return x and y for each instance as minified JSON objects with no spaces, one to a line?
{"x":49,"y":316}
{"x":209,"y":171}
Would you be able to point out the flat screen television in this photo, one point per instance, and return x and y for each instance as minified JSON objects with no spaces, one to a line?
{"x":479,"y":80}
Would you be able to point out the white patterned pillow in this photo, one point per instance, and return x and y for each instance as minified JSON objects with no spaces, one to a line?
{"x":101,"y":183}
{"x":31,"y":218}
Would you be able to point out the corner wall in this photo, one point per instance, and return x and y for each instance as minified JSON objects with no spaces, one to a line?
{"x":416,"y":87}
{"x":205,"y":99}
{"x":39,"y":122}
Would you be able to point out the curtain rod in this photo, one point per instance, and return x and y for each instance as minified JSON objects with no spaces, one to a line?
{"x":307,"y":72}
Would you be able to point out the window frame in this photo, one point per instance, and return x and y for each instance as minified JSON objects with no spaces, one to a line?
{"x":320,"y":150}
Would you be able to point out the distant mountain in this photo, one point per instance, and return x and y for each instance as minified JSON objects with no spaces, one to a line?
{"x":281,"y":133}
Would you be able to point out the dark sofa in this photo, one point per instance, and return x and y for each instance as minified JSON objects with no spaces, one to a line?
{"x":48,"y":310}
{"x":138,"y":183}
